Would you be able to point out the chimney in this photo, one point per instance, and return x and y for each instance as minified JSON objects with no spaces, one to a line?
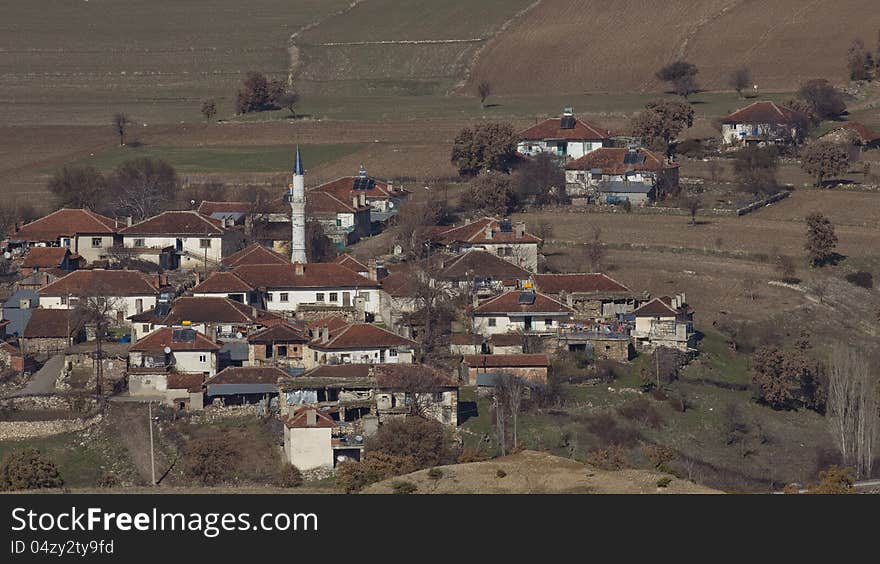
{"x":197,"y":276}
{"x":520,"y":230}
{"x":354,"y":201}
{"x":363,"y":199}
{"x":254,"y":312}
{"x":325,"y":334}
{"x":128,"y":221}
{"x":362,"y":172}
{"x":475,"y":301}
{"x":299,"y":268}
{"x":373,"y":272}
{"x":488,"y":232}
{"x":311,"y":418}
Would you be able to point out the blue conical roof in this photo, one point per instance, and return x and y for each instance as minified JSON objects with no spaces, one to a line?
{"x":298,"y":168}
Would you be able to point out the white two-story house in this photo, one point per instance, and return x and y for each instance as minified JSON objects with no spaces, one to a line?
{"x":763,"y":122}
{"x":612,"y":175}
{"x":567,"y":137}
{"x":128,"y":291}
{"x":502,"y":238}
{"x":521,"y":311}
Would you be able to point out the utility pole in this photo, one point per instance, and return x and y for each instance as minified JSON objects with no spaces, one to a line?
{"x":152,"y":457}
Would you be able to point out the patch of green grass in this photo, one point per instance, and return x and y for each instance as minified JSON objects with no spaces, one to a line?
{"x":80,"y":462}
{"x":272,"y":158}
{"x":718,"y":362}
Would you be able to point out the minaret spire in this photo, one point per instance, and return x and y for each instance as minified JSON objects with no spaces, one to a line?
{"x":297,"y":196}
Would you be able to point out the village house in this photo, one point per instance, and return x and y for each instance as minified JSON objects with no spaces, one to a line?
{"x":664,"y":322}
{"x":164,"y":384}
{"x":853,"y":136}
{"x":532,"y":367}
{"x":235,"y":212}
{"x":593,"y":295}
{"x":356,"y":343}
{"x":399,"y":301}
{"x":565,"y":136}
{"x":608,"y":340}
{"x":383,"y":198}
{"x":36,"y":280}
{"x":308,"y":440}
{"x":763,"y":122}
{"x":57,"y":260}
{"x":214,"y":317}
{"x":344,"y":221}
{"x":182,"y":350}
{"x":180,"y":238}
{"x":128,"y":291}
{"x":502,"y":238}
{"x":254,"y":254}
{"x":228,"y":285}
{"x":16,"y":311}
{"x":461,"y":344}
{"x":506,"y":343}
{"x":315,"y":289}
{"x":479,"y":271}
{"x":84,"y":232}
{"x":80,"y":360}
{"x":522,"y":311}
{"x":415,"y":389}
{"x":11,"y":358}
{"x":245,"y":385}
{"x":281,"y":345}
{"x":613,"y":175}
{"x":375,"y":270}
{"x":51,"y":331}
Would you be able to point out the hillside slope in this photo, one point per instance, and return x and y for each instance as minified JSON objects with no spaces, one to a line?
{"x":594,"y":46}
{"x":535,"y":472}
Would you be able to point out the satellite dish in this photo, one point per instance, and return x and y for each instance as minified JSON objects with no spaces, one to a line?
{"x":341,"y":458}
{"x":391,"y":204}
{"x":239,"y":335}
{"x":167,"y":350}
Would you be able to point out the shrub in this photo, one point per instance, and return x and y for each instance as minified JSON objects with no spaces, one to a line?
{"x":108,"y":480}
{"x":692,"y":148}
{"x":500,"y":473}
{"x":677,"y":402}
{"x":290,"y":477}
{"x":352,"y":476}
{"x":611,"y":458}
{"x":435,"y":473}
{"x":209,"y":461}
{"x":641,"y":410}
{"x":606,"y":428}
{"x":861,"y":278}
{"x":664,"y":482}
{"x":28,"y":469}
{"x":835,"y":480}
{"x":471,"y":454}
{"x":659,"y":455}
{"x":402,"y":487}
{"x":425,"y":442}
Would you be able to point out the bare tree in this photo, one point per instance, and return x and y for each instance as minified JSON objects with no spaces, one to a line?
{"x":692,"y":204}
{"x":740,"y":79}
{"x":289,"y":100}
{"x":853,"y":408}
{"x":484,"y":89}
{"x":209,"y":109}
{"x":96,"y":309}
{"x":509,"y":391}
{"x":143,"y":187}
{"x":121,"y":123}
{"x":595,"y":250}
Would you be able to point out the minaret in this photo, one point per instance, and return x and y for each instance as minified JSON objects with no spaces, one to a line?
{"x":297,"y":196}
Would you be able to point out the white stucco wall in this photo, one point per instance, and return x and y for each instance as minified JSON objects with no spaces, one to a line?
{"x":126,"y":305}
{"x":83,"y":246}
{"x":505,"y":324}
{"x":191,"y":244}
{"x":371,"y":297}
{"x":573,"y":149}
{"x":309,"y":448}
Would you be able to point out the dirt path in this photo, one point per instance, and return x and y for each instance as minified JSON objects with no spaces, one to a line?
{"x":130,"y":424}
{"x":43,"y":380}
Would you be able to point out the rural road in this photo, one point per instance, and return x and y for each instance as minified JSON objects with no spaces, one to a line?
{"x":43,"y":380}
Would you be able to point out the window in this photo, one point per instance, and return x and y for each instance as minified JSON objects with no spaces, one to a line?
{"x":334,"y":297}
{"x":140,"y":243}
{"x":365,"y":296}
{"x":392,"y":352}
{"x":491,"y":322}
{"x":63,"y":302}
{"x":548,"y":322}
{"x":316,"y":356}
{"x":319,"y":297}
{"x":145,"y":327}
{"x":139,"y":305}
{"x":284,"y":296}
{"x":96,"y":242}
{"x":203,"y":358}
{"x":204,"y":243}
{"x":268,"y":296}
{"x":338,"y":222}
{"x":282,"y":350}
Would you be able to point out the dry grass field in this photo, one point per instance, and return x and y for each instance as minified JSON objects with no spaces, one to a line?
{"x":595,"y":46}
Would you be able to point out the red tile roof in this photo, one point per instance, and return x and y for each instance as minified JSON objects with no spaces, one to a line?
{"x":333,"y":323}
{"x":44,"y":257}
{"x":475,"y":232}
{"x":577,"y":283}
{"x":506,"y":360}
{"x":248,"y":375}
{"x":176,"y":223}
{"x":65,"y":223}
{"x":157,"y":341}
{"x":190,"y":382}
{"x":506,"y":340}
{"x":342,"y":371}
{"x":610,"y":161}
{"x":655,"y":307}
{"x":343,"y":189}
{"x":551,"y":129}
{"x":315,"y":275}
{"x":360,"y":336}
{"x":299,"y":419}
{"x":482,"y":264}
{"x":102,"y":282}
{"x":465,"y":339}
{"x":400,"y":284}
{"x":254,"y":254}
{"x":414,"y":377}
{"x":509,"y":302}
{"x":52,"y":323}
{"x":323,"y":202}
{"x":222,"y":283}
{"x":351,"y":263}
{"x":865,"y":134}
{"x":765,"y":112}
{"x":210,"y":310}
{"x":284,"y":332}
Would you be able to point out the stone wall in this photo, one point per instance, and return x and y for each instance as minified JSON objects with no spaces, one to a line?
{"x":16,"y":430}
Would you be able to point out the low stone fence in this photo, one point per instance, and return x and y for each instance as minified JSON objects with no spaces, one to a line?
{"x":761,"y":203}
{"x":17,"y":430}
{"x":80,"y":404}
